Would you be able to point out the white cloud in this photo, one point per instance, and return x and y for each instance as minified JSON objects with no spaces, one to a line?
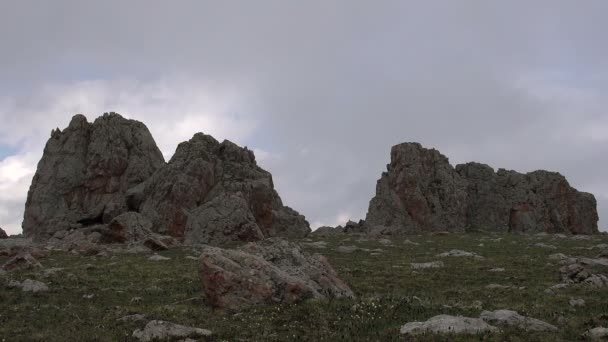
{"x":16,"y":174}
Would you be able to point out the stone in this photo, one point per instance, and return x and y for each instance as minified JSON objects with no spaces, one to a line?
{"x":497,"y":269}
{"x":576,"y":302}
{"x":544,"y":245}
{"x":599,"y":333}
{"x":267,"y":272}
{"x":512,"y":318}
{"x":157,"y":257}
{"x":422,"y":192}
{"x":459,"y":253}
{"x":425,"y":265}
{"x":21,"y":261}
{"x":3,"y":234}
{"x":347,"y":249}
{"x":446,"y":324}
{"x":33,"y":286}
{"x":552,"y":289}
{"x":133,"y":229}
{"x":132,"y":318}
{"x":498,"y":287}
{"x":214,"y":193}
{"x":85,"y":172}
{"x":161,"y":330}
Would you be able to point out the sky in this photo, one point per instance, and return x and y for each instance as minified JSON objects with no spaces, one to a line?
{"x":319,"y":89}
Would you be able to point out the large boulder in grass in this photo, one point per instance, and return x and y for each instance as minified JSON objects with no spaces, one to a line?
{"x":85,"y":171}
{"x":267,"y":272}
{"x":21,"y":261}
{"x":214,"y":193}
{"x":422,"y":192}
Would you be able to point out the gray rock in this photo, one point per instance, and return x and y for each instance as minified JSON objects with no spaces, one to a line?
{"x":347,"y":249}
{"x":266,"y":272}
{"x":448,"y":324}
{"x":421,"y":191}
{"x":132,"y":318}
{"x":599,"y":333}
{"x":34,"y":286}
{"x":197,"y":193}
{"x":577,"y":302}
{"x":157,"y":257}
{"x":3,"y":234}
{"x":85,"y":171}
{"x":164,"y":331}
{"x":514,"y":319}
{"x":459,"y":253}
{"x":544,"y":245}
{"x":23,"y":260}
{"x":425,"y":265}
{"x":133,"y":229}
{"x":497,"y":269}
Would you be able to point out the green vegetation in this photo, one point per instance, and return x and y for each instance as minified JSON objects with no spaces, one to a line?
{"x":389,"y":292}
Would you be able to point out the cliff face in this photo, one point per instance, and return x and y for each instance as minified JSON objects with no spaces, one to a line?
{"x":209,"y":192}
{"x":421,"y":191}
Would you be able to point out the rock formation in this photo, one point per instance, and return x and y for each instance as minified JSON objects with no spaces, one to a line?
{"x":266,"y":272}
{"x":3,"y":234}
{"x":421,"y":191}
{"x":85,"y":171}
{"x":209,"y":192}
{"x":213,"y":192}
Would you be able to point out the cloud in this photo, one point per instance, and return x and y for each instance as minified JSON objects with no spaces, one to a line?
{"x":323,"y":89}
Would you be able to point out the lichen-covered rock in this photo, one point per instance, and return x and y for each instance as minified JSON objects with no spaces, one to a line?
{"x":85,"y":171}
{"x":446,"y":324}
{"x":167,"y":331}
{"x":421,"y":191}
{"x":213,"y":192}
{"x":266,"y":272}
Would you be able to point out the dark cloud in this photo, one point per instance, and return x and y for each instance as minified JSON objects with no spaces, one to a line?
{"x":326,"y":87}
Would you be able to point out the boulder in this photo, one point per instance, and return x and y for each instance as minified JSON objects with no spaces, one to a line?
{"x":214,"y":193}
{"x":85,"y":172}
{"x":596,"y":334}
{"x":3,"y":234}
{"x":514,"y":319}
{"x":448,"y":324}
{"x":132,"y":229}
{"x":21,"y":261}
{"x":167,"y":331}
{"x":421,"y":191}
{"x":266,"y":272}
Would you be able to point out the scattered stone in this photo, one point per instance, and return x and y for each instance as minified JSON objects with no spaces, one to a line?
{"x":385,"y":242}
{"x":557,"y":256}
{"x":599,"y":333}
{"x":88,"y":296}
{"x":555,"y":287}
{"x":270,"y":271}
{"x":514,"y":319}
{"x":136,"y":300}
{"x":448,"y":324}
{"x":21,"y":261}
{"x":459,"y":253}
{"x":577,"y":302}
{"x":578,"y":273}
{"x":425,"y":265}
{"x":408,"y":242}
{"x":157,"y":257}
{"x":34,"y":286}
{"x":497,"y":269}
{"x":161,"y":330}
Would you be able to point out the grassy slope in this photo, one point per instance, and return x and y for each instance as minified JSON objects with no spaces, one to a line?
{"x":389,"y":294}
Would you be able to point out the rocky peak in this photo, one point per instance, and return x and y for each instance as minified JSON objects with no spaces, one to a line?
{"x":85,"y":171}
{"x":421,"y":191}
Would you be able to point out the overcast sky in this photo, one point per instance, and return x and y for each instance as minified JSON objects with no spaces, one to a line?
{"x":320,"y":90}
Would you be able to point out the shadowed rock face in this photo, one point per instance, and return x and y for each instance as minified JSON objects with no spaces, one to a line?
{"x":421,"y":191}
{"x":213,"y":192}
{"x":85,"y":171}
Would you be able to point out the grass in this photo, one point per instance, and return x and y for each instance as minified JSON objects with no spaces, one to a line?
{"x":389,"y":294}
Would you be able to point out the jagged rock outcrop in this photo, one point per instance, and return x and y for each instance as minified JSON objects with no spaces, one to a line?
{"x":3,"y":234}
{"x":85,"y":171}
{"x":210,"y":192}
{"x":267,"y":272}
{"x":421,"y":191}
{"x":213,"y":192}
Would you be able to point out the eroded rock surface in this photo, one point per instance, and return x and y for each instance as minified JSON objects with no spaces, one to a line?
{"x":212,"y":193}
{"x":421,"y":191}
{"x":266,"y":272}
{"x":85,"y":171}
